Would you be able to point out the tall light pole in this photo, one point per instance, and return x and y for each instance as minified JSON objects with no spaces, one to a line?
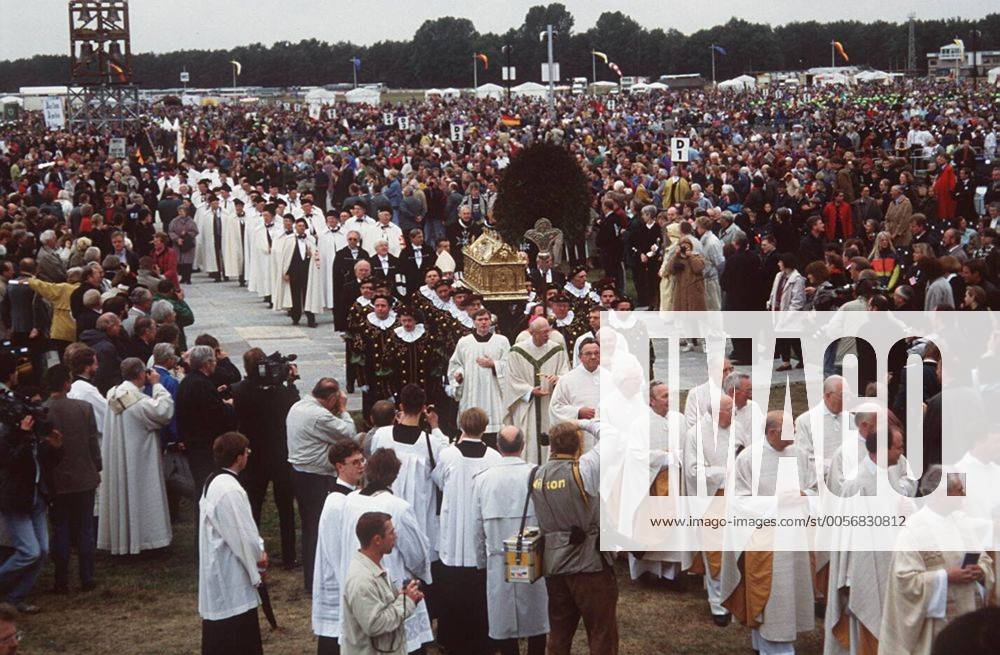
{"x":354,"y":70}
{"x":552,"y":81}
{"x":506,"y":50}
{"x":974,"y":39}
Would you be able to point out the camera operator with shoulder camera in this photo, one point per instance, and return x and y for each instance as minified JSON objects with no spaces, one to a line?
{"x":262,"y":400}
{"x":29,"y":451}
{"x":578,"y":576}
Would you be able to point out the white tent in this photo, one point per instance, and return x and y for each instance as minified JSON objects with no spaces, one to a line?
{"x":604,"y":84}
{"x":432,"y":92}
{"x":320,"y":96}
{"x":530,"y":89}
{"x":363,"y":95}
{"x":739,"y":83}
{"x":489,"y":90}
{"x":451,"y":92}
{"x":639,"y":87}
{"x":873,"y":76}
{"x":993,"y":75}
{"x":658,"y":86}
{"x":11,"y":100}
{"x":831,"y":78}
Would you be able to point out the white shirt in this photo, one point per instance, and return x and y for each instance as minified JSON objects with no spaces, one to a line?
{"x":229,"y":547}
{"x":83,"y":390}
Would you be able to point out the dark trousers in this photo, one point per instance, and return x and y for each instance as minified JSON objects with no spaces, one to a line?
{"x":614,"y":269}
{"x":536,"y":646}
{"x":298,"y":284}
{"x":644,"y":287}
{"x":328,"y":646}
{"x":185,"y":272}
{"x":788,"y":348}
{"x":73,"y":522}
{"x":255,"y":480}
{"x":460,"y":595}
{"x":310,"y":494}
{"x":237,"y":634}
{"x":590,"y":596}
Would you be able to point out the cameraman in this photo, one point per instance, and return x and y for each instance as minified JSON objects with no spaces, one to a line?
{"x":262,"y":405}
{"x":314,"y":424}
{"x":26,"y":464}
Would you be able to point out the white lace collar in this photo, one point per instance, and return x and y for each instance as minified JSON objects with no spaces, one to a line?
{"x":428,"y":293}
{"x":411,"y":336}
{"x":617,"y":322}
{"x":579,"y":293}
{"x":442,"y":305}
{"x":365,"y":302}
{"x":383,"y":323}
{"x":563,"y":322}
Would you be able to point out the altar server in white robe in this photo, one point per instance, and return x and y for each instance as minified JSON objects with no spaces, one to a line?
{"x":387,"y":230}
{"x":857,"y":576}
{"x":667,"y":435}
{"x":331,"y":239}
{"x":769,"y":589}
{"x":533,"y":369}
{"x":419,"y":452}
{"x":231,"y":555}
{"x":265,"y":234}
{"x":865,"y":418}
{"x":928,"y":585}
{"x":134,"y":515}
{"x":577,"y":395}
{"x":460,"y":590}
{"x":718,"y":444}
{"x":477,"y":370}
{"x":515,"y":611}
{"x":410,"y":559}
{"x":233,"y":227}
{"x":349,"y":462}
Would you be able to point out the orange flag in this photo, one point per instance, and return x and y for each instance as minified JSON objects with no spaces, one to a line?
{"x":840,"y":49}
{"x":483,"y":58}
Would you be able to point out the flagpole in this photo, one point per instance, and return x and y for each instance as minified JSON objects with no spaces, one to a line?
{"x":475,"y":72}
{"x":712,"y":48}
{"x":593,"y":68}
{"x":833,"y":54}
{"x":234,"y":75}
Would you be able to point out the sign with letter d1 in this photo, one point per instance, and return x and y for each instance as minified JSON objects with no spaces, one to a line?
{"x":679,"y":148}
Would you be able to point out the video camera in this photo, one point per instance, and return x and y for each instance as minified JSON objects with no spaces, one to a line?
{"x":274,"y":370}
{"x":13,"y":409}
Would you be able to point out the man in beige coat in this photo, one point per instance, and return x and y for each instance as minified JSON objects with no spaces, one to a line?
{"x":898,"y":217}
{"x":373,"y":611}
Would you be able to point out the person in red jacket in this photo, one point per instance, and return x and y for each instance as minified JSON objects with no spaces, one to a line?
{"x":944,"y":186}
{"x":838,"y":218}
{"x":166,"y":258}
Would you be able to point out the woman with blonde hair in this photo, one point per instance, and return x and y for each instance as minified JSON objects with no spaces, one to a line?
{"x":885,"y":260}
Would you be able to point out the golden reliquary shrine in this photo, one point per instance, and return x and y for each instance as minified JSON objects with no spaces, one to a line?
{"x":494,"y":269}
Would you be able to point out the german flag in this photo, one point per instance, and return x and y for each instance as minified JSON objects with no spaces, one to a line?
{"x":510,"y":121}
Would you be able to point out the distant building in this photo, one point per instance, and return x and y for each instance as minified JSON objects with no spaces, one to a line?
{"x":954,"y":59}
{"x":685,"y":81}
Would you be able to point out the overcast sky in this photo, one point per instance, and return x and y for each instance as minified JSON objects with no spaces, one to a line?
{"x":30,"y":27}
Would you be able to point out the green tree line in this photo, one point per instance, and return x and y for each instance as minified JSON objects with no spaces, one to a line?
{"x":441,"y":52}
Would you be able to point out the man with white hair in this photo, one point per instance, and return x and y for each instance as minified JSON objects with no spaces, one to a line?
{"x":715,"y":263}
{"x":822,"y":426}
{"x":141,"y":300}
{"x":51,"y":267}
{"x":386,"y":266}
{"x":577,"y":395}
{"x":134,"y":515}
{"x":533,"y":369}
{"x":866,"y":420}
{"x":747,"y":415}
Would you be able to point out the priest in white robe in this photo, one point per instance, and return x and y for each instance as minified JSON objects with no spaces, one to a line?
{"x":533,"y":369}
{"x":233,"y":228}
{"x":515,"y":611}
{"x":281,"y":253}
{"x":265,"y":234}
{"x":361,"y":222}
{"x":769,"y":588}
{"x":388,"y":231}
{"x":841,"y":470}
{"x":410,"y":559}
{"x":314,"y":217}
{"x":134,"y":515}
{"x":477,"y":371}
{"x":699,"y":398}
{"x":208,"y":218}
{"x":928,"y":587}
{"x":460,"y":587}
{"x":577,"y":395}
{"x":331,"y":239}
{"x":819,"y":431}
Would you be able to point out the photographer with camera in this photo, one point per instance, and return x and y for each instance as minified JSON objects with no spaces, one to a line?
{"x":313,"y":425}
{"x":28,"y":455}
{"x":262,"y":401}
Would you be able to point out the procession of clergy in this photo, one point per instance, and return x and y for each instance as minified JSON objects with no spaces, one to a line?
{"x":408,"y":320}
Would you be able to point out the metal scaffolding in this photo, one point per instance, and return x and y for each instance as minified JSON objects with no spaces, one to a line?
{"x":101,"y":94}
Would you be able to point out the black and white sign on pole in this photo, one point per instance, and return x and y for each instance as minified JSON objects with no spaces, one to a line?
{"x":185,"y":77}
{"x":508,"y":73}
{"x":457,"y":132}
{"x":679,"y":148}
{"x":331,"y":113}
{"x":403,"y":122}
{"x":388,"y":119}
{"x":116,"y":147}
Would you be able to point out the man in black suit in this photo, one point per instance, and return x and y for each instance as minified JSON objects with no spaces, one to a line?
{"x":741,"y":282}
{"x":609,"y":243}
{"x":645,"y":239}
{"x":386,"y":267}
{"x":543,"y":275}
{"x":461,"y":233}
{"x":416,"y":258}
{"x":343,"y":270}
{"x":124,"y":255}
{"x":298,"y":272}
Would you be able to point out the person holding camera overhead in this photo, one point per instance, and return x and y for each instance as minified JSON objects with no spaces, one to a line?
{"x":313,"y":425}
{"x":27,"y":459}
{"x":262,"y":401}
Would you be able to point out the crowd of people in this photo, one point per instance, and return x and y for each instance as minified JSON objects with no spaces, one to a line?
{"x":862,"y":199}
